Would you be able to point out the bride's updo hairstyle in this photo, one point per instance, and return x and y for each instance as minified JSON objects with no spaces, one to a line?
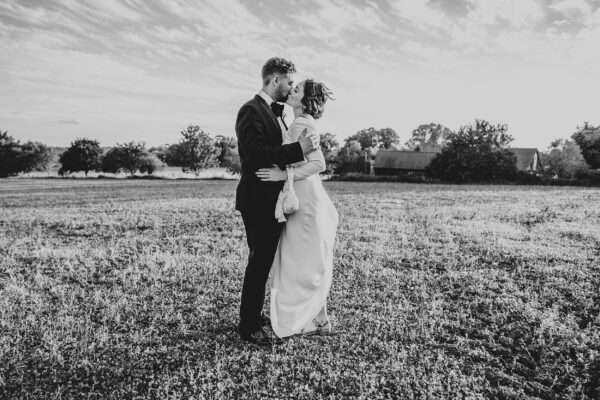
{"x":315,"y":97}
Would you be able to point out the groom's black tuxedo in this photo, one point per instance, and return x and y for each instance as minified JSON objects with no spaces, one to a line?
{"x":260,"y":146}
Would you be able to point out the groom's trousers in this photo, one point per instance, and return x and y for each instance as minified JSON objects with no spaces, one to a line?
{"x":262,"y":233}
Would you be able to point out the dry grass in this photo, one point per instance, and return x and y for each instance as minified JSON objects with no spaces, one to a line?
{"x":130,"y":289}
{"x":163,"y":172}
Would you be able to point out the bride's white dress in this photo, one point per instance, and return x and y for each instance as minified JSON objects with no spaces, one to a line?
{"x":303,"y":264}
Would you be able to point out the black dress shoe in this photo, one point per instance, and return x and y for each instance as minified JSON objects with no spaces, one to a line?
{"x":260,"y":337}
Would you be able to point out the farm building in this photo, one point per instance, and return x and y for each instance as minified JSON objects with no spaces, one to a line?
{"x":394,"y":162}
{"x":429,"y":148}
{"x":399,"y":162}
{"x":528,"y":159}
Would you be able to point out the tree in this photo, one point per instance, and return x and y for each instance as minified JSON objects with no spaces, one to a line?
{"x":9,"y":154}
{"x":375,"y":138}
{"x":35,"y":156}
{"x":475,"y":153}
{"x":428,"y":134}
{"x":83,"y":155}
{"x":227,"y":154}
{"x":223,"y":145}
{"x":232,"y":161}
{"x":195,"y":151}
{"x":124,"y":157}
{"x":330,"y":148}
{"x":111,"y":161}
{"x":388,"y":138}
{"x":359,"y":150}
{"x":16,"y":157}
{"x":350,"y":158}
{"x":587,"y":138}
{"x":170,"y":155}
{"x":159,"y":151}
{"x":564,"y":159}
{"x":149,"y":163}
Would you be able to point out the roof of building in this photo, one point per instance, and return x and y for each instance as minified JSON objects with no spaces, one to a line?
{"x":419,"y":160}
{"x":525,"y":156}
{"x":403,"y":160}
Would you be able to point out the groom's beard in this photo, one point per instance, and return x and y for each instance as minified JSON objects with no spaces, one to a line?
{"x":282,"y":97}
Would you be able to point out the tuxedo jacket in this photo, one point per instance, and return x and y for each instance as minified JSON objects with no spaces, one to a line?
{"x":260,"y":146}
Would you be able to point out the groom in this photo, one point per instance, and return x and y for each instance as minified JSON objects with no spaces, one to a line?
{"x":259,"y":132}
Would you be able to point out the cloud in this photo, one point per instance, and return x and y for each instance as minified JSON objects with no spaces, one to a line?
{"x":67,"y":122}
{"x":142,"y":68}
{"x":111,"y":10}
{"x":330,"y":19}
{"x":422,"y":15}
{"x":520,"y":14}
{"x":183,"y":34}
{"x":223,"y":18}
{"x":455,"y":8}
{"x":581,"y":7}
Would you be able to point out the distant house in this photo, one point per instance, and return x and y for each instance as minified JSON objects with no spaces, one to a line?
{"x":395,"y":162}
{"x":528,"y":159}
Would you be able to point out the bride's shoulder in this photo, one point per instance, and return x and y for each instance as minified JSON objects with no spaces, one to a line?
{"x":304,"y":121}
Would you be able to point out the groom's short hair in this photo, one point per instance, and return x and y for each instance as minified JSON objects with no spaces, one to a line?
{"x":276,"y":65}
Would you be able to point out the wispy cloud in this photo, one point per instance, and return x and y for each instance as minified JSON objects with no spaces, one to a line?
{"x":141,"y":69}
{"x":67,"y":122}
{"x":572,"y":7}
{"x":330,"y":19}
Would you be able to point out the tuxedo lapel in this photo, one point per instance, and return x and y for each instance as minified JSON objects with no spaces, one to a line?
{"x":270,"y":116}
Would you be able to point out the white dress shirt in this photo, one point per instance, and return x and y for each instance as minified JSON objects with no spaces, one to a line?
{"x":268,"y":99}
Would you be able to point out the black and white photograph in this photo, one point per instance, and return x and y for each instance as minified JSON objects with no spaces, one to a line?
{"x":300,"y":199}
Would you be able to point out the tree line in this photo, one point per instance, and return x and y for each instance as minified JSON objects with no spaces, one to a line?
{"x":196,"y":150}
{"x":475,"y":152}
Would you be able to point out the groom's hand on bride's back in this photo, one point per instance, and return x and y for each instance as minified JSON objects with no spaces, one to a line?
{"x":309,"y":141}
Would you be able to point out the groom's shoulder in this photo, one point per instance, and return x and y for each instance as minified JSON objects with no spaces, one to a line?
{"x":251,"y":106}
{"x":253,"y":102}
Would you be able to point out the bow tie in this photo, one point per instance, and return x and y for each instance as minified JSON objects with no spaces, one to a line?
{"x":277,"y":109}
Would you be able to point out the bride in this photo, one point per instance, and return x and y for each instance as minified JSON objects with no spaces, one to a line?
{"x":303,"y":264}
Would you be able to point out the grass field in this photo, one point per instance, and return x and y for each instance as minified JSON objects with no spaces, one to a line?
{"x":130,"y":289}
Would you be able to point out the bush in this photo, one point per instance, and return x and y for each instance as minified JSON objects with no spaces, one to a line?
{"x":150,"y":163}
{"x":231,"y":161}
{"x":111,"y":161}
{"x":564,"y":160}
{"x":227,"y":154}
{"x":35,"y":156}
{"x":351,"y":158}
{"x":590,"y":177}
{"x":124,"y":157}
{"x":330,"y":149}
{"x":16,"y":157}
{"x":476,"y":153}
{"x":83,"y":155}
{"x":362,"y":177}
{"x":588,"y":139}
{"x":169,"y":155}
{"x":473,"y":166}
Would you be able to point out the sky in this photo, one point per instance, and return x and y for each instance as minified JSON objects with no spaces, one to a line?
{"x":143,"y":70}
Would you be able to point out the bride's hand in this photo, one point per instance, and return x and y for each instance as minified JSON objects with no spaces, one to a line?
{"x":274,"y":174}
